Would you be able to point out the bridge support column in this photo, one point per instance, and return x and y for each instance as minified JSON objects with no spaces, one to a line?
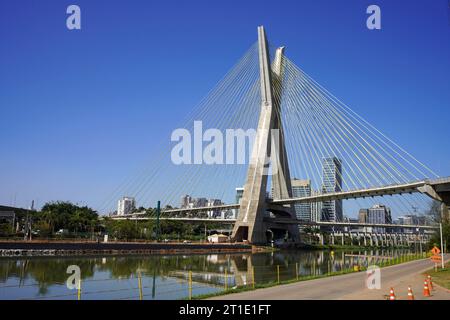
{"x":250,"y":223}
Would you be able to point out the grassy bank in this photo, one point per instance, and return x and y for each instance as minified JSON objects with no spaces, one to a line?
{"x":441,"y":277}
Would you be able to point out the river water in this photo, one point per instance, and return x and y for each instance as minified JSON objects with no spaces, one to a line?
{"x":157,"y":277}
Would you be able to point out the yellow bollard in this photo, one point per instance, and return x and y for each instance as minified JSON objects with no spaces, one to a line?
{"x":190,"y":285}
{"x":278,"y":274}
{"x":226,"y":280}
{"x":140,"y":286}
{"x":79,"y":289}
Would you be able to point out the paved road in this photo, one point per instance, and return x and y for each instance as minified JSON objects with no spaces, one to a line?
{"x":352,"y":286}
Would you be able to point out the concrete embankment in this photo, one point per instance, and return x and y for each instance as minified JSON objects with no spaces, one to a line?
{"x":55,"y":248}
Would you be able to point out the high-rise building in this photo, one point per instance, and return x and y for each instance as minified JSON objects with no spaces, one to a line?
{"x":126,"y":205}
{"x":362,"y":215}
{"x":316,"y":208}
{"x":239,"y":194}
{"x":185,"y":200}
{"x":378,"y":214}
{"x":188,"y":202}
{"x":412,"y":219}
{"x":332,"y":182}
{"x":216,"y":212}
{"x":199,"y":202}
{"x":302,"y":188}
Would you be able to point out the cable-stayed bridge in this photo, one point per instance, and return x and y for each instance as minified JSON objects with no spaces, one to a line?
{"x":427,"y":187}
{"x":309,"y":153}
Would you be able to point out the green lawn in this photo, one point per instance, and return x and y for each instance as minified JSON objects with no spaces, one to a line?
{"x":441,"y":277}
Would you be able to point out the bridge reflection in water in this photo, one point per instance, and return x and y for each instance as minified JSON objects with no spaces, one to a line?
{"x":167,"y":277}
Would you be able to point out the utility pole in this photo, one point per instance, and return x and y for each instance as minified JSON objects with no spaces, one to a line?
{"x":420,"y":239}
{"x":442,"y":246}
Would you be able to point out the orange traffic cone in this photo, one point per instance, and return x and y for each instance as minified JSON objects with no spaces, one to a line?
{"x":410,"y":294}
{"x":430,"y":283}
{"x":426,"y":289}
{"x":391,"y":294}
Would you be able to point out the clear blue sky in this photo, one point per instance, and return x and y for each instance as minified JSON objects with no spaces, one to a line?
{"x":81,"y":109}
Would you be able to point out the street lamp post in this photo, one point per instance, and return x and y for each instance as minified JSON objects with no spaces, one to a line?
{"x":442,"y":245}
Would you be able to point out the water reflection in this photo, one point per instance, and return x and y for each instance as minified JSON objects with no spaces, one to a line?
{"x":166,"y":277}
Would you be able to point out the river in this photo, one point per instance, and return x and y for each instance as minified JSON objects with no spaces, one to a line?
{"x":157,"y":277}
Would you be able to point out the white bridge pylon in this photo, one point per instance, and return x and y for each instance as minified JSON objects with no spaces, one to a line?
{"x":250,"y":224}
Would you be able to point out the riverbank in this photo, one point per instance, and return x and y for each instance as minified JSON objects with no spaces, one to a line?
{"x":64,"y":248}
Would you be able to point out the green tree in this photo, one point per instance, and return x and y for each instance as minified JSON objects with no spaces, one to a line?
{"x":66,"y":215}
{"x":44,"y":228}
